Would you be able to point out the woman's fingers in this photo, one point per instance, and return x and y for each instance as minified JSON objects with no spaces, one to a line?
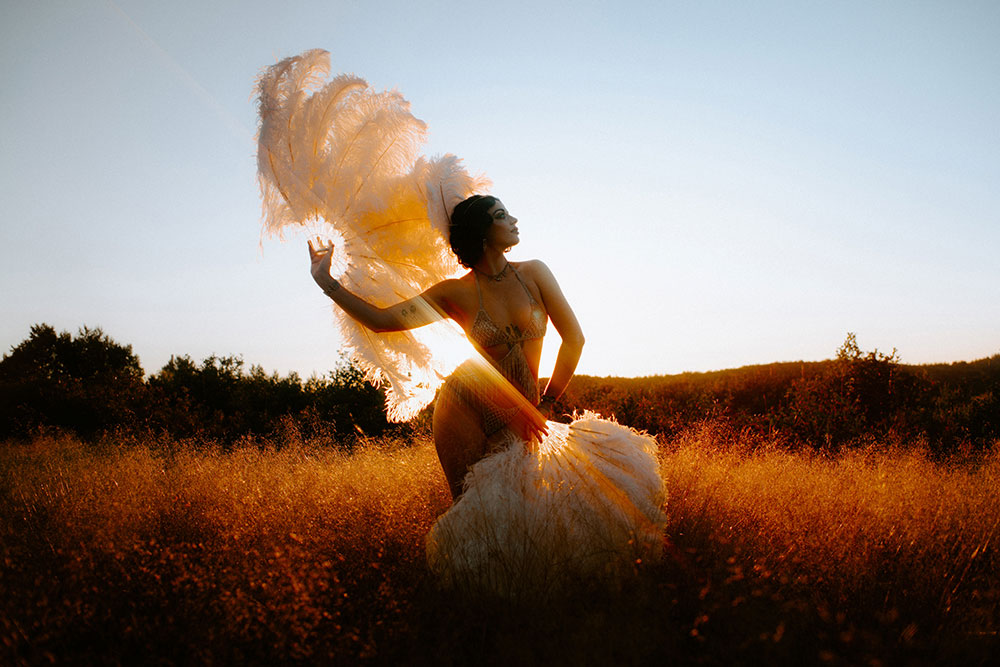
{"x":538,"y":420}
{"x":532,"y":426}
{"x":317,"y":247}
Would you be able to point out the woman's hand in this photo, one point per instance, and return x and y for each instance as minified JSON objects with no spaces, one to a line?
{"x":320,"y":257}
{"x":529,"y":424}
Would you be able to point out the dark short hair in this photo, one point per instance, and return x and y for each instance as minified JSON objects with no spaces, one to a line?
{"x":469,"y":223}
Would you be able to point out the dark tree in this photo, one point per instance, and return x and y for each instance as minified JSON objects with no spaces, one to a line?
{"x":87,"y":383}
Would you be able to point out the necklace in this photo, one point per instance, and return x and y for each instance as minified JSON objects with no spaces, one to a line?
{"x":496,"y":277}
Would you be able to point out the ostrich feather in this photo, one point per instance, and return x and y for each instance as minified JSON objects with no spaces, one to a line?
{"x":341,"y":159}
{"x":585,"y":506}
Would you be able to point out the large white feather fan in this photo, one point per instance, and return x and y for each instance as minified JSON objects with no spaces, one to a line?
{"x":339,"y":159}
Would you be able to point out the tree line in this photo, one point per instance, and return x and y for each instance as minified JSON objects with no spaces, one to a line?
{"x":91,"y":385}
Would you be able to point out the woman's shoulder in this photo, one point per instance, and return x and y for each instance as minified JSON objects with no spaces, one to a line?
{"x":530,"y":266}
{"x":450,"y":285}
{"x":455,"y":294}
{"x":535,"y":269}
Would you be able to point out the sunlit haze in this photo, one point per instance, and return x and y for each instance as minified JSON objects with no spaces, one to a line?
{"x":713,"y":184}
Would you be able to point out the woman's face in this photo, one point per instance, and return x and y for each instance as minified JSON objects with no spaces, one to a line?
{"x":503,"y":233}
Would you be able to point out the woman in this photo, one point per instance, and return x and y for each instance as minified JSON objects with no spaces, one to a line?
{"x":503,"y":308}
{"x":538,"y":504}
{"x":583,"y":505}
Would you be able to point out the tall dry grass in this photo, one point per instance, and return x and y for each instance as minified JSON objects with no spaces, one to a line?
{"x":199,"y":555}
{"x":877,"y":551}
{"x":167,"y":552}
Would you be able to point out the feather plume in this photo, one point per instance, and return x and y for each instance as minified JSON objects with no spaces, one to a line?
{"x":341,"y":159}
{"x":583,"y":507}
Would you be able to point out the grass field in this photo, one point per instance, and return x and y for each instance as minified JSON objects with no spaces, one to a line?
{"x":280,"y":552}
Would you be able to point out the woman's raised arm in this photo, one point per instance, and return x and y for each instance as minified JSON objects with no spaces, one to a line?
{"x":410,"y":314}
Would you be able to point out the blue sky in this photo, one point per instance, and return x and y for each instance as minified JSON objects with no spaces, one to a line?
{"x":714,"y":184}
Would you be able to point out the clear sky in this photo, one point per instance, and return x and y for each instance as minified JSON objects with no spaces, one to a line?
{"x":714,"y":184}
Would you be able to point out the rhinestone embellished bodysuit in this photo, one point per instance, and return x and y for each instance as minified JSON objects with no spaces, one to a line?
{"x":483,"y":395}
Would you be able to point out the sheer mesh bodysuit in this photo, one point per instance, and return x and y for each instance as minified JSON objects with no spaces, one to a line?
{"x":477,"y":391}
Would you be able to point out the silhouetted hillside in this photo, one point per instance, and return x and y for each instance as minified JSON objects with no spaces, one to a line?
{"x":825,"y":404}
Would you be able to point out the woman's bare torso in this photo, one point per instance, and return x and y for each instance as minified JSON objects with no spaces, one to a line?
{"x":499,"y":314}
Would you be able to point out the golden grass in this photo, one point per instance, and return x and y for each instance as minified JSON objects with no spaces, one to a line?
{"x":884,"y":533}
{"x":176,"y":553}
{"x":845,"y":516}
{"x":250,"y":551}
